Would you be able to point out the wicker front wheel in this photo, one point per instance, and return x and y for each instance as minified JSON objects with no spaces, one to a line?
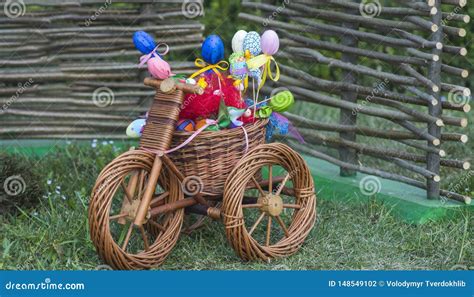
{"x":116,"y":194}
{"x":273,"y":219}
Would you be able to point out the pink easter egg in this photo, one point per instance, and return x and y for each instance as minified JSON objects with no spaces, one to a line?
{"x":270,"y":42}
{"x":159,"y":68}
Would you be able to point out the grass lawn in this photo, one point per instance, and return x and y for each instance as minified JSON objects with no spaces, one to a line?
{"x":54,"y":234}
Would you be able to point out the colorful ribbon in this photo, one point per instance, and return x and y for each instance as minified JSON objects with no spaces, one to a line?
{"x":221,"y":65}
{"x":145,"y":58}
{"x":265,"y":61}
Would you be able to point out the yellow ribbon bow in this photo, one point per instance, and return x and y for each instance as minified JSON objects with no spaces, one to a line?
{"x":261,"y":60}
{"x":221,"y":65}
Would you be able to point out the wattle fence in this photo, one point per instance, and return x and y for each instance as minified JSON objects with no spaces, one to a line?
{"x":393,"y":72}
{"x":69,"y":69}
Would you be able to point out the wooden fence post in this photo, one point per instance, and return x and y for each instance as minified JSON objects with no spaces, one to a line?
{"x":434,"y":74}
{"x":348,"y":117}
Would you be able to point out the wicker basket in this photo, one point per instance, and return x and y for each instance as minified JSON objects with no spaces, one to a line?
{"x":212,"y":155}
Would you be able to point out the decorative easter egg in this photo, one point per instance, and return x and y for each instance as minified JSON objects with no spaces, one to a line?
{"x":252,"y":43}
{"x":270,"y":42}
{"x":143,"y":42}
{"x":256,"y":73}
{"x":135,"y":128}
{"x":238,"y":65}
{"x":159,"y":68}
{"x":282,"y":101}
{"x":238,"y":41}
{"x":185,"y":125}
{"x":212,"y":49}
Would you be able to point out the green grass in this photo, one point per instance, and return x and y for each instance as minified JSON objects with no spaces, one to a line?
{"x":54,"y":235}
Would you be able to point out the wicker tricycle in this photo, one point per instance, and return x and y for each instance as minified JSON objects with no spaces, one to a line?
{"x":263,"y":193}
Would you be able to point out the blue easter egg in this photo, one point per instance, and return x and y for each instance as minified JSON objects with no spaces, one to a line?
{"x":144,"y":42}
{"x":212,"y":50}
{"x":252,"y":43}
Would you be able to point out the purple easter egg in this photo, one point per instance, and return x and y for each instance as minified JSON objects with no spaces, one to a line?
{"x":270,"y":42}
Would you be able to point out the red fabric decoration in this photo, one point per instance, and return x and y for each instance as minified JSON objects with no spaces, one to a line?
{"x":207,"y":105}
{"x":247,"y":120}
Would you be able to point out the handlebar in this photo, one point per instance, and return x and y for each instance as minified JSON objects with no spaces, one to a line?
{"x":169,"y":85}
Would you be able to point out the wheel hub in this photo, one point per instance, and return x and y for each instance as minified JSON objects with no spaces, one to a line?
{"x":131,"y":210}
{"x":271,"y":204}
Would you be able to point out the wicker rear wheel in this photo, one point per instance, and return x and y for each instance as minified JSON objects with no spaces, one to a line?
{"x":116,"y":194}
{"x":274,"y":218}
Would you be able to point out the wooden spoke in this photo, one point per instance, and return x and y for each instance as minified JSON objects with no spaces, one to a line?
{"x":141,"y":183}
{"x":270,"y":179}
{"x":258,"y":186}
{"x":283,"y":184}
{"x":159,"y":226}
{"x":256,"y":205}
{"x":288,"y":191}
{"x":158,"y":198}
{"x":275,"y":180}
{"x":269,"y":230}
{"x":282,"y":224}
{"x":119,"y":216}
{"x":294,"y":206}
{"x":256,"y":223}
{"x":125,"y":190}
{"x":145,"y":238}
{"x":127,"y":238}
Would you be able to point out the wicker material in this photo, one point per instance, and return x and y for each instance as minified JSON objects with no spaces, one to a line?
{"x":212,"y":155}
{"x":214,"y":159}
{"x":303,"y":191}
{"x":104,"y":190}
{"x":161,"y":121}
{"x":157,"y":135}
